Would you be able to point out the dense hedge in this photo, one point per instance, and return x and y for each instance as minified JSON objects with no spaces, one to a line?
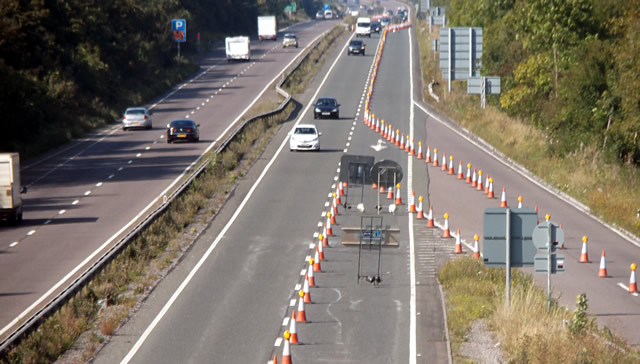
{"x":569,"y":67}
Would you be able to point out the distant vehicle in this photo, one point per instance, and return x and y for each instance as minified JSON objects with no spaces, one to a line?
{"x":10,"y":189}
{"x":356,"y":46}
{"x":183,"y":129}
{"x":363,"y":27}
{"x":136,"y":117}
{"x":238,"y":48}
{"x":320,"y":14}
{"x":305,"y":137}
{"x":290,"y":40}
{"x":267,"y":27}
{"x":385,"y":21}
{"x":375,"y":26}
{"x":328,"y":14}
{"x":326,"y":107}
{"x":354,"y":11}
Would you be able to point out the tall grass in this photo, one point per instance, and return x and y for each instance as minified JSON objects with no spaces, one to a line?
{"x":526,"y":331}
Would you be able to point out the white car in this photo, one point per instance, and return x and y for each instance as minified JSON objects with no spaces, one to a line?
{"x":304,"y":137}
{"x":136,"y":117}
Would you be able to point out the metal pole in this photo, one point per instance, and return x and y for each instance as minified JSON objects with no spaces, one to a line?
{"x":508,"y":257}
{"x":548,"y":266}
{"x":378,"y":193}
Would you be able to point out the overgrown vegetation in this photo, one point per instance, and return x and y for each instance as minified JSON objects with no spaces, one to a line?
{"x":67,"y":67}
{"x":608,"y":187}
{"x":567,"y":67}
{"x":98,"y":309}
{"x":526,"y":331}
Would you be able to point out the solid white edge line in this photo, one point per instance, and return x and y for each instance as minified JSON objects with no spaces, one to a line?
{"x":195,"y":269}
{"x":412,"y":249}
{"x":559,"y":194}
{"x":106,"y":243}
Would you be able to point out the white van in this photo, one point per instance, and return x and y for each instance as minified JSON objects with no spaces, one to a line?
{"x":363,"y":27}
{"x":328,"y":14}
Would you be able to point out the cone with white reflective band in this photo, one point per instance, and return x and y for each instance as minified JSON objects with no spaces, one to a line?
{"x":307,"y":291}
{"x":427,"y":158}
{"x":324,"y":237}
{"x":420,"y":156}
{"x":446,"y":233}
{"x":398,"y":196}
{"x":435,"y":157}
{"x":476,"y":249}
{"x":503,"y":198}
{"x":603,"y":266}
{"x":430,"y":222}
{"x":444,"y":162}
{"x":420,"y":214}
{"x":301,"y":316}
{"x":412,"y":202}
{"x":486,"y":184}
{"x":286,"y":351}
{"x":398,"y":138}
{"x":402,"y":141}
{"x":633,"y":286}
{"x":293,"y":339}
{"x":474,"y":180}
{"x":328,"y":225}
{"x":458,"y":247}
{"x":584,"y":257}
{"x":310,"y":278}
{"x":491,"y":194}
{"x":479,"y":187}
{"x":316,"y":262}
{"x":460,"y":175}
{"x":407,"y":149}
{"x":451,"y":171}
{"x":468,"y":179}
{"x":320,"y":250}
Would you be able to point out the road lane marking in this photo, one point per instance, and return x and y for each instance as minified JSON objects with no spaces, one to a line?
{"x":13,"y":244}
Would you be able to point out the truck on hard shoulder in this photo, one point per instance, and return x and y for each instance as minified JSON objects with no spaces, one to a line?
{"x":10,"y":189}
{"x":238,"y":48}
{"x":267,"y":27}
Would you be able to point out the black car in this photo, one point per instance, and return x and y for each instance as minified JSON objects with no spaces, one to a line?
{"x":326,"y":107}
{"x":183,"y":129}
{"x":375,"y":26}
{"x":356,"y":47}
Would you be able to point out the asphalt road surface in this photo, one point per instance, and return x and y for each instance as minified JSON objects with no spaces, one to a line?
{"x":85,"y":195}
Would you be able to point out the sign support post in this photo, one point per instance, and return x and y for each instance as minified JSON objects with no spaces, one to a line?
{"x":508,"y":257}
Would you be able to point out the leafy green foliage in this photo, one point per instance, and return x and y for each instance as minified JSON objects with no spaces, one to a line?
{"x":568,"y":67}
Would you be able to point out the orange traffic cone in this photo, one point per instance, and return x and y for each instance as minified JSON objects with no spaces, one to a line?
{"x":390,"y":193}
{"x":293,"y":339}
{"x":486,"y":184}
{"x":381,"y":189}
{"x":603,"y":266}
{"x":468,"y":179}
{"x":310,"y":278}
{"x":333,"y":218}
{"x":430,"y":222}
{"x":519,"y":202}
{"x":301,"y":316}
{"x":633,"y":286}
{"x":584,"y":257}
{"x":445,"y":232}
{"x":275,"y":359}
{"x":307,"y":292}
{"x":286,"y":351}
{"x":458,"y":247}
{"x":420,"y":214}
{"x":427,"y":158}
{"x":320,"y":250}
{"x":374,"y":185}
{"x":460,"y":175}
{"x":378,"y":125}
{"x":341,"y":187}
{"x":476,"y":251}
{"x":324,"y":237}
{"x":408,"y":145}
{"x":444,"y":162}
{"x":398,"y":138}
{"x":490,"y":194}
{"x":503,"y":199}
{"x":474,"y":181}
{"x":435,"y":157}
{"x":328,"y":225}
{"x":412,"y":202}
{"x":398,"y":197}
{"x":392,"y":135}
{"x":336,"y":195}
{"x":451,"y":171}
{"x":402,"y":141}
{"x":420,"y":156}
{"x":479,"y":187}
{"x":316,"y":262}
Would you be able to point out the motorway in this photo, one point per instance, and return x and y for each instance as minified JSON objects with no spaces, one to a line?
{"x":83,"y":197}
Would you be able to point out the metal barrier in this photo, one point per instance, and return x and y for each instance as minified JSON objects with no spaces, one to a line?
{"x":83,"y":279}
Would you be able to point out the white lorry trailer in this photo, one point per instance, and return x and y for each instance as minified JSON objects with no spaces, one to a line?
{"x":10,"y":189}
{"x":267,"y":27}
{"x":238,"y":48}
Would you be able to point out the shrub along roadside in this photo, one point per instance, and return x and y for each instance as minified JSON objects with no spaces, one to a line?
{"x":109,"y":300}
{"x":526,"y":331}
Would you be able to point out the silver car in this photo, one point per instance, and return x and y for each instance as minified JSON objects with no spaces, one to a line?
{"x":304,"y":137}
{"x":136,"y":117}
{"x":290,"y":39}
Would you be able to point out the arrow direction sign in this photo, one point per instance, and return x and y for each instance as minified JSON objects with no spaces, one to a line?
{"x":378,"y":147}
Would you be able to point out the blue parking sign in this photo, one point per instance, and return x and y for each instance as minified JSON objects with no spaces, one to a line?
{"x":179,"y":30}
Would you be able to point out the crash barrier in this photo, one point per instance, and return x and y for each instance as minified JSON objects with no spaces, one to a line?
{"x":162,"y":203}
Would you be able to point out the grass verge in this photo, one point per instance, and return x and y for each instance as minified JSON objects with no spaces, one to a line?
{"x":526,"y":331}
{"x":96,"y":312}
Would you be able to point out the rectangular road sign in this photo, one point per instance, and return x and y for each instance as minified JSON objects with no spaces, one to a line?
{"x":179,"y":30}
{"x":460,"y":52}
{"x":541,"y":263}
{"x":492,"y":85}
{"x":522,"y":250}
